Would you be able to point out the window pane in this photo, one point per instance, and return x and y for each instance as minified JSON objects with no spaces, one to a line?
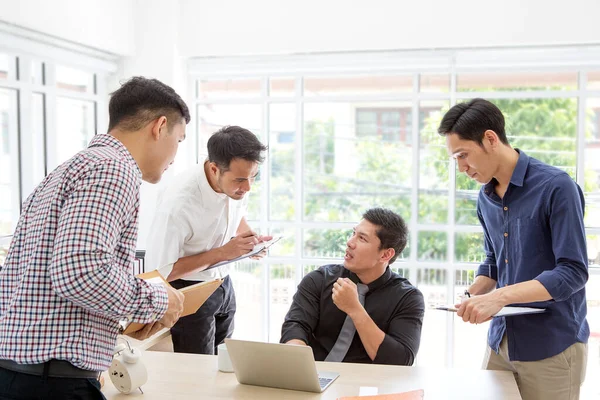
{"x":544,"y":128}
{"x":9,"y":162}
{"x":470,"y":341}
{"x":75,"y":127}
{"x":4,"y":245}
{"x":286,"y":247}
{"x":282,"y":87}
{"x":247,"y":278}
{"x":37,"y":72}
{"x":232,"y":88}
{"x":509,"y":81}
{"x":593,"y":249}
{"x":38,"y":126}
{"x":8,"y":67}
{"x":282,"y":155}
{"x":282,"y":288}
{"x":325,"y":243}
{"x":432,"y":246}
{"x":593,"y":79}
{"x":591,"y":186}
{"x":434,"y":83}
{"x":74,"y":80}
{"x":345,"y":174}
{"x":468,"y":248}
{"x":432,"y":282}
{"x":434,"y":165}
{"x":591,"y":386}
{"x":362,"y":85}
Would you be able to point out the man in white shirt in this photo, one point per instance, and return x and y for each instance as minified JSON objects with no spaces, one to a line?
{"x":200,"y":221}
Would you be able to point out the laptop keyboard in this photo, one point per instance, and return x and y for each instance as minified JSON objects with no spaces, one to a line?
{"x":324,"y":382}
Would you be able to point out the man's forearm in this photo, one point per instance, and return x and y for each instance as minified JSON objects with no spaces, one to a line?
{"x":196,"y":263}
{"x":370,"y":334}
{"x":524,"y":292}
{"x":482,"y":285}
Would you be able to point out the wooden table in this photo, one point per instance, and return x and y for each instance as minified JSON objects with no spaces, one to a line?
{"x":190,"y":376}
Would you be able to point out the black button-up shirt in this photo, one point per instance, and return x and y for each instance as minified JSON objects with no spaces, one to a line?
{"x":395,"y":306}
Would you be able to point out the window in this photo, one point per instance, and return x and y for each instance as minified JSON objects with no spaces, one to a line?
{"x":342,"y":143}
{"x":48,"y":112}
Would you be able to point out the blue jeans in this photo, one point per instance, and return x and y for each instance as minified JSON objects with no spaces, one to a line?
{"x":20,"y":386}
{"x":202,"y":332}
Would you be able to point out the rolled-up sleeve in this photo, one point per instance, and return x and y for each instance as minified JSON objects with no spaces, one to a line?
{"x":303,"y":316}
{"x":565,"y":203}
{"x":401,"y":342}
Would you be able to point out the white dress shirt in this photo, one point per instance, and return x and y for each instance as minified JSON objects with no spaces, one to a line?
{"x":192,"y":218}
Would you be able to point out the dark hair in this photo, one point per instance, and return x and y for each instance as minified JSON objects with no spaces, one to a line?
{"x":232,"y":142}
{"x":392,"y":231}
{"x":470,"y":120}
{"x":141,"y":100}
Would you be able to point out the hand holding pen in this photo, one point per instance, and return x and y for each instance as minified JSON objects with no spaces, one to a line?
{"x":240,"y":244}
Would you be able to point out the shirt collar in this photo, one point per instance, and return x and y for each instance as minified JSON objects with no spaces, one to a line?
{"x":205,"y":187}
{"x":106,"y":140}
{"x":377,"y":283}
{"x":518,"y":175}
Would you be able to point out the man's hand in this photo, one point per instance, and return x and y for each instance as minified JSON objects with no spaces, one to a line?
{"x":296,"y":342}
{"x":479,"y":309}
{"x":240,"y":245}
{"x":345,"y":295}
{"x":263,"y":253}
{"x":147,"y":331}
{"x":174,"y":309}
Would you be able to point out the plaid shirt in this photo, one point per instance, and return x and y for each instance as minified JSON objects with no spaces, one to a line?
{"x":67,"y":280}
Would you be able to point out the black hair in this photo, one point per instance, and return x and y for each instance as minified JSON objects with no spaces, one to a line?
{"x":392,"y":230}
{"x":232,"y":142}
{"x":141,"y":100}
{"x":470,"y":120}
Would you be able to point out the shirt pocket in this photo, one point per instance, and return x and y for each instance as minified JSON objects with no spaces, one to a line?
{"x":529,"y":237}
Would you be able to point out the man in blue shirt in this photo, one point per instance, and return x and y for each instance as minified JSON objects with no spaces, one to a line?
{"x":532,"y":218}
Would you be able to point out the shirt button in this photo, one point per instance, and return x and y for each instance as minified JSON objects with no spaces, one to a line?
{"x":505,"y":234}
{"x":506,"y":260}
{"x":505,"y":208}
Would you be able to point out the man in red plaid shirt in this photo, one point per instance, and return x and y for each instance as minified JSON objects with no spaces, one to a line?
{"x":67,"y":280}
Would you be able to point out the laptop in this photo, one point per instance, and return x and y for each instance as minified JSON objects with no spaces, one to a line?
{"x":277,"y":365}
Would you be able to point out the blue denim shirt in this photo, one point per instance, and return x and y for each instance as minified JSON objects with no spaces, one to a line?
{"x":536,"y":232}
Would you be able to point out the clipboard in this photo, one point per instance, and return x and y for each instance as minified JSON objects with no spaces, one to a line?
{"x":257,"y":249}
{"x":504,"y":312}
{"x":195,"y":296}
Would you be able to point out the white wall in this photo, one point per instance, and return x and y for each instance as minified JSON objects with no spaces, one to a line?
{"x":219,"y":28}
{"x":102,"y":24}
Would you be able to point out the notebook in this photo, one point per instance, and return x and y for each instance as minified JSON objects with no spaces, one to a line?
{"x":195,"y":296}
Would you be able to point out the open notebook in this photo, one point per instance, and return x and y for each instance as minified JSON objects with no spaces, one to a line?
{"x":195,"y":296}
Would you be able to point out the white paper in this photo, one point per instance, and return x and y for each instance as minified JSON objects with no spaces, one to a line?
{"x":257,"y":249}
{"x":504,"y":312}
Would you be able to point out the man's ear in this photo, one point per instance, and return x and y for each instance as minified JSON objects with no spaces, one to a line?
{"x":213,"y":167}
{"x":491,"y":137}
{"x":159,"y":128}
{"x":387,"y":255}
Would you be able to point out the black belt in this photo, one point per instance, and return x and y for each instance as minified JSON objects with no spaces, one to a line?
{"x":52,"y":368}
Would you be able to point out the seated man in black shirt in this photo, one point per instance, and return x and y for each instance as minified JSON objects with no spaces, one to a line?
{"x":388,"y":325}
